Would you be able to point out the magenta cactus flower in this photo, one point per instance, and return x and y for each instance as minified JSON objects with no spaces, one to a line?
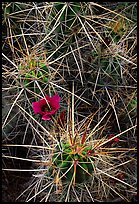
{"x":47,"y":106}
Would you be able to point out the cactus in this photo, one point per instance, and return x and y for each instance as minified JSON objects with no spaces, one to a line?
{"x":69,"y":23}
{"x":68,"y":16}
{"x":33,"y":70}
{"x":132,"y":107}
{"x":73,"y":163}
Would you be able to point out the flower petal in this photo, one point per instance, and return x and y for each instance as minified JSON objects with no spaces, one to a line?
{"x":54,"y":102}
{"x":43,"y":102}
{"x":36,"y":107}
{"x":56,"y":98}
{"x":48,"y":98}
{"x":46,"y":117}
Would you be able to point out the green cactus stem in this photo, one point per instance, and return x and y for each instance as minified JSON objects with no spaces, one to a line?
{"x":65,"y":158}
{"x":33,"y":71}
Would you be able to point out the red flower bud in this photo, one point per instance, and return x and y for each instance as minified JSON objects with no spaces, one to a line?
{"x":121,"y":176}
{"x":61,"y":118}
{"x":113,"y":141}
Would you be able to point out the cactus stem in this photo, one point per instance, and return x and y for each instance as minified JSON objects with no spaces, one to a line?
{"x":66,"y":172}
{"x":84,"y":170}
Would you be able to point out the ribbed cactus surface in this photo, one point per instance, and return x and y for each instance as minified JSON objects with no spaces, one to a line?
{"x":73,"y":162}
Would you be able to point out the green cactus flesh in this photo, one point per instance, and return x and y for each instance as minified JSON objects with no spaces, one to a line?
{"x":63,"y":160}
{"x":40,"y":73}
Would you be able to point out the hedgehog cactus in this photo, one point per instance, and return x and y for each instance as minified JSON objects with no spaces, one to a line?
{"x":39,"y":72}
{"x":73,"y":162}
{"x":33,"y":71}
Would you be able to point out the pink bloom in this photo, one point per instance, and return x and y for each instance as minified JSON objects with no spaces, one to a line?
{"x":47,"y":106}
